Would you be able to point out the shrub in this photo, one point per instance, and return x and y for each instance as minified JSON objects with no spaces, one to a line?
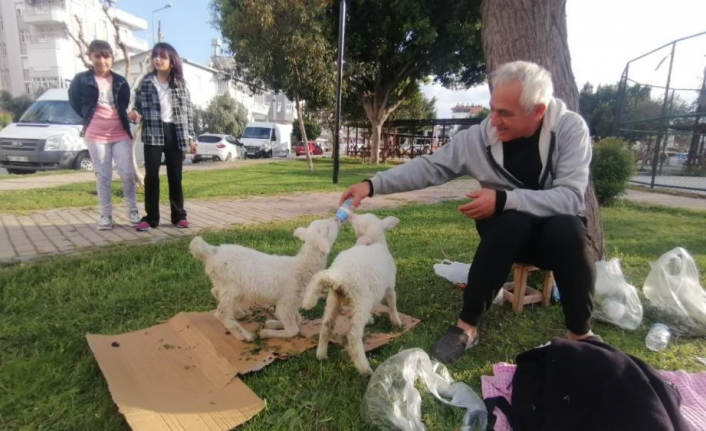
{"x":5,"y":119}
{"x":612,"y":166}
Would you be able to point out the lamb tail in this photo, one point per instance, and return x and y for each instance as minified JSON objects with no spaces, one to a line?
{"x":321,"y":282}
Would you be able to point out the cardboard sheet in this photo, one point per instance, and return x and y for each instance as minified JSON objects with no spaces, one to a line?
{"x":182,"y":374}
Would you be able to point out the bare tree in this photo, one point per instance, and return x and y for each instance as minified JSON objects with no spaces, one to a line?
{"x":535,"y":30}
{"x":80,"y":41}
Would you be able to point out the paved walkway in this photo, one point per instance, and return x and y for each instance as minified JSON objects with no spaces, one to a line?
{"x":62,"y":231}
{"x":668,"y":200}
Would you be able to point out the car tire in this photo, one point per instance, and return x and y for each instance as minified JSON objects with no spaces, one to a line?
{"x":19,"y":171}
{"x":229,"y":157}
{"x":83,"y":162}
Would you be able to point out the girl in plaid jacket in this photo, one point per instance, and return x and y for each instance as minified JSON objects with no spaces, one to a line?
{"x":163,"y":102}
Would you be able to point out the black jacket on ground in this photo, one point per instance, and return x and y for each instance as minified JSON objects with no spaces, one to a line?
{"x":590,"y":386}
{"x":83,"y":97}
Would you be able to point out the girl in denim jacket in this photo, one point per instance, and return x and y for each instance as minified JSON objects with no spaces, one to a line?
{"x":101,"y":97}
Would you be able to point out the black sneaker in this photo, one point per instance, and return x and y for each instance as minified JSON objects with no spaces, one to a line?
{"x":451,"y":346}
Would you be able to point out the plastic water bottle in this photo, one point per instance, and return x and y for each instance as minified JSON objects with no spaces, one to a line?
{"x":555,"y":294}
{"x":658,"y":337}
{"x":344,"y":211}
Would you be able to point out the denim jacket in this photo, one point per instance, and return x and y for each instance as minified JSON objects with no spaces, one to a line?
{"x":83,"y":97}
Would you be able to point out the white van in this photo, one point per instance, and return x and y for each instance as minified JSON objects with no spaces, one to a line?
{"x":47,"y":137}
{"x":267,"y":140}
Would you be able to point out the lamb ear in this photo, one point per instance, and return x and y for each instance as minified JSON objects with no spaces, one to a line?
{"x":323,"y":245}
{"x":299,"y":233}
{"x":390,"y":222}
{"x":364,"y":240}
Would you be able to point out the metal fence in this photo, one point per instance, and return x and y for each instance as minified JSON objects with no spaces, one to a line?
{"x":661,"y":110}
{"x":403,"y":138}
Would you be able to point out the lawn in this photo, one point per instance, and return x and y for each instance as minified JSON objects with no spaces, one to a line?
{"x":260,"y":179}
{"x":50,"y":380}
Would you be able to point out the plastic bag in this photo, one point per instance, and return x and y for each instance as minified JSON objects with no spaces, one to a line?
{"x":673,"y":289}
{"x":391,"y":400}
{"x":616,"y":300}
{"x":455,"y":272}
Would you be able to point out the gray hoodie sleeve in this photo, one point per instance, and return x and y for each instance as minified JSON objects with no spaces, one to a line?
{"x":444,"y":165}
{"x":566,"y":195}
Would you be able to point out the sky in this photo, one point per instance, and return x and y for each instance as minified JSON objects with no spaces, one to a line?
{"x":603,"y":36}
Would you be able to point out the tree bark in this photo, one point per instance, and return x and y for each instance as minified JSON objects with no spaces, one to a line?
{"x":535,"y":30}
{"x":302,"y":129}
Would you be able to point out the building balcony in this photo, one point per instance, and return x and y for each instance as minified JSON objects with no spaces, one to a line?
{"x":135,"y":45}
{"x":45,"y":15}
{"x":129,"y":20}
{"x":42,"y":44}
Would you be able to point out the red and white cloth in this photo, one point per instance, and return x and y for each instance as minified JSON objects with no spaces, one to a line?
{"x":692,"y":388}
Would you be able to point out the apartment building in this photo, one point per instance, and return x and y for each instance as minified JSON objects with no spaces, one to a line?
{"x":36,"y":50}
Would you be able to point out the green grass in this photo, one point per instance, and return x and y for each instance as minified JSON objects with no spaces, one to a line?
{"x":50,"y":381}
{"x":261,"y":179}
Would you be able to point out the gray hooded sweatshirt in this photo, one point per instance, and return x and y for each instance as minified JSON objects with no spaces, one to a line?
{"x":565,"y":152}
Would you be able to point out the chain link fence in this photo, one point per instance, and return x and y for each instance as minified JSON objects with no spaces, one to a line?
{"x":661,"y":111}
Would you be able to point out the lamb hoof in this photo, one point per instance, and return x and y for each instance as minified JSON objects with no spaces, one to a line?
{"x":371,"y":320}
{"x":366,"y":371}
{"x":273,"y":324}
{"x":321,"y":356}
{"x":396,"y":320}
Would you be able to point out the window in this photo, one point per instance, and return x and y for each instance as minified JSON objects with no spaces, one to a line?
{"x":4,"y":48}
{"x":25,"y":74}
{"x":28,"y":88}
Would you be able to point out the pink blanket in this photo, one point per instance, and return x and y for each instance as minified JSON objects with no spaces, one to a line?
{"x":692,"y":388}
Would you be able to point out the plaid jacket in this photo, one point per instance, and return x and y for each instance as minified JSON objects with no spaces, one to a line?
{"x":147,"y":104}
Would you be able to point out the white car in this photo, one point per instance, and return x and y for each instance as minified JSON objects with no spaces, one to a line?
{"x":217,"y":147}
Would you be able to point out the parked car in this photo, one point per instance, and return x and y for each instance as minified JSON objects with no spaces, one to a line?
{"x":47,"y":137}
{"x":314,"y":149}
{"x":224,"y":148}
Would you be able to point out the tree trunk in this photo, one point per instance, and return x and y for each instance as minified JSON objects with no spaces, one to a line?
{"x":302,"y":129}
{"x":535,"y":30}
{"x":375,"y":134}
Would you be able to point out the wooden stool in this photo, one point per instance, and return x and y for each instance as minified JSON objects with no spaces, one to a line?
{"x":519,"y":293}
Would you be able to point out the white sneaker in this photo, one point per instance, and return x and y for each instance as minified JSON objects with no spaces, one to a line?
{"x":105,"y":223}
{"x":134,"y":217}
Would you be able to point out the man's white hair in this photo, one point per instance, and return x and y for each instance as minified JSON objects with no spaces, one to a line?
{"x":536,"y":82}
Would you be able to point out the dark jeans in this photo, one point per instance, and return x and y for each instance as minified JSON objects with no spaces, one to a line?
{"x":558,"y":243}
{"x":173,"y":157}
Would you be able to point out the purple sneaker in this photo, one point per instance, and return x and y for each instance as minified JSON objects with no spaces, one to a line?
{"x":182,"y":224}
{"x":142,"y":226}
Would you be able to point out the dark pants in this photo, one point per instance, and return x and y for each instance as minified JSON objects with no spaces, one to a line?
{"x":558,"y":243}
{"x":173,"y":157}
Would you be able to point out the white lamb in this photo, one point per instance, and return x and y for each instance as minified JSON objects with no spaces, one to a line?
{"x":359,"y":277}
{"x":242,"y":275}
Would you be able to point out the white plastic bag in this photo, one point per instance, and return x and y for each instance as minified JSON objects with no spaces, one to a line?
{"x":455,"y":272}
{"x":616,"y":300}
{"x":391,"y":400}
{"x":673,"y":288}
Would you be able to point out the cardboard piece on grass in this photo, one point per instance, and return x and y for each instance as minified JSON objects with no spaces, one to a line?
{"x":182,"y":374}
{"x":161,"y":382}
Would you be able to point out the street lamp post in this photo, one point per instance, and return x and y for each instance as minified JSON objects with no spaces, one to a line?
{"x":166,"y":6}
{"x":341,"y":44}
